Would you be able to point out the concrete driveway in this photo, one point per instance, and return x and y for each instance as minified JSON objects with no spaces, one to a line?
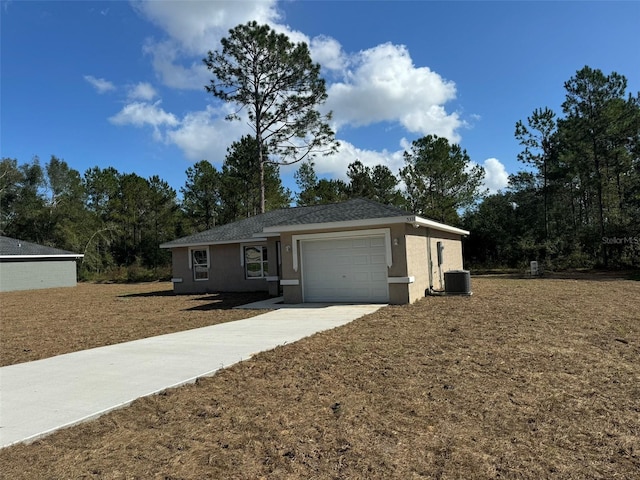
{"x":38,"y":398}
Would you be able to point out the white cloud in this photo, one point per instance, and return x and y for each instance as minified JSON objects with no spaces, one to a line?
{"x":193,"y":28}
{"x":327,"y":52}
{"x":140,"y":114}
{"x":164,"y":58}
{"x":142,"y":91}
{"x":385,"y":86}
{"x":198,"y":26}
{"x":206,"y":135}
{"x":348,"y":153}
{"x":377,"y":85}
{"x":100,"y":84}
{"x":496,"y":176}
{"x":335,"y":166}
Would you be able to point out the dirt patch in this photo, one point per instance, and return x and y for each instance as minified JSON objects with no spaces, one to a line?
{"x":525,"y":379}
{"x":43,"y":323}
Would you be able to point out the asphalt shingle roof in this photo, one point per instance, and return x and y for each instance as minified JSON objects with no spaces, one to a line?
{"x":13,"y":247}
{"x":356,"y":209}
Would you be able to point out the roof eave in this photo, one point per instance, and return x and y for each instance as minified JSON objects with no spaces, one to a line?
{"x":425,"y":222}
{"x":22,"y":257}
{"x":218,"y":242}
{"x":410,"y":219}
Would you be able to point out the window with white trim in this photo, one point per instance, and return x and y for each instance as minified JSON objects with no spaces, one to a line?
{"x":256,"y":264}
{"x":200,"y":264}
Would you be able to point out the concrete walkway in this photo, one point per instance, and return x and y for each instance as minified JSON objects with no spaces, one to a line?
{"x":38,"y":398}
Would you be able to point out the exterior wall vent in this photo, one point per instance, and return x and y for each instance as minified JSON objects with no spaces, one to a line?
{"x":457,"y":282}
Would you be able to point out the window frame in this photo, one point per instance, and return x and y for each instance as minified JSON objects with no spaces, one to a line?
{"x":263,"y":262}
{"x":197,"y":268}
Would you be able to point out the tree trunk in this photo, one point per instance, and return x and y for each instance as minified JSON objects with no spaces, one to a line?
{"x":262,"y":189}
{"x":599,"y":192}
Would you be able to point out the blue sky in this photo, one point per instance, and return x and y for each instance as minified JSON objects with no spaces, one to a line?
{"x":121,"y":84}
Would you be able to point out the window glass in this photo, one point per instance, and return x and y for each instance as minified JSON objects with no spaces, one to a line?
{"x":253,"y":254}
{"x":255,"y":262}
{"x":200,"y":262}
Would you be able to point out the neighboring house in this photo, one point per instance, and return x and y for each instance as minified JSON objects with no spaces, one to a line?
{"x":354,"y":251}
{"x":28,"y":266}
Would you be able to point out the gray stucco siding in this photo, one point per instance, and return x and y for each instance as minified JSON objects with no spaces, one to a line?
{"x":28,"y":274}
{"x":226,"y":273}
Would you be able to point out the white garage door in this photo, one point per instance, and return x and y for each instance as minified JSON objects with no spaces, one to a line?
{"x":345,"y":270}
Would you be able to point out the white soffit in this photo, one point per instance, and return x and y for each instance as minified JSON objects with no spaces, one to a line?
{"x":424,"y":222}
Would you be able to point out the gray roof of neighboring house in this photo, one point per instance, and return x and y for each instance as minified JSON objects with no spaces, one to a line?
{"x":246,"y":229}
{"x":13,"y":247}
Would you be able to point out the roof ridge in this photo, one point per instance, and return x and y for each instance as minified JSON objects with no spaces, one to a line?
{"x":385,"y":205}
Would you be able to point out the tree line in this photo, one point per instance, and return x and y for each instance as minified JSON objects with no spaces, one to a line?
{"x":118,"y":220}
{"x":577,"y":202}
{"x":574,"y":205}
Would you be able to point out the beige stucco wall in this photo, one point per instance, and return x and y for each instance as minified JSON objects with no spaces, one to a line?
{"x":451,"y":256}
{"x":417,"y":261}
{"x":226,"y":274}
{"x":399,"y":292}
{"x":292,"y":293}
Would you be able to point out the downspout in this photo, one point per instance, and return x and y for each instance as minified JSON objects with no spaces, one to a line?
{"x":429,"y":263}
{"x":440,"y":247}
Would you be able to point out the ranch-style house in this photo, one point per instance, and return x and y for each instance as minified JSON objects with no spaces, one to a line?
{"x":358,"y":251}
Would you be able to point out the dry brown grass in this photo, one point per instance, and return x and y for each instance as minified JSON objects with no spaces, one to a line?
{"x":43,"y":323}
{"x":526,"y":379}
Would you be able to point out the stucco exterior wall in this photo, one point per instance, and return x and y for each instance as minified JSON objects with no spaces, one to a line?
{"x":292,"y":293}
{"x":398,"y":292}
{"x":37,"y":274}
{"x":274,"y":255}
{"x":451,"y":256}
{"x":417,"y":261}
{"x":226,"y":273}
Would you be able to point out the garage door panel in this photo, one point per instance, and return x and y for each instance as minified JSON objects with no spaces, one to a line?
{"x":378,"y":277}
{"x":345,"y":270}
{"x":361,"y":277}
{"x":380,"y":292}
{"x":339,"y":245}
{"x":339,"y":259}
{"x":361,"y":260}
{"x":377,"y":242}
{"x":379,"y":259}
{"x":360,"y":243}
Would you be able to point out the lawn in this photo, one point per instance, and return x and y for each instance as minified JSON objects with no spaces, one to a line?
{"x":43,"y":323}
{"x":536,"y":378}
